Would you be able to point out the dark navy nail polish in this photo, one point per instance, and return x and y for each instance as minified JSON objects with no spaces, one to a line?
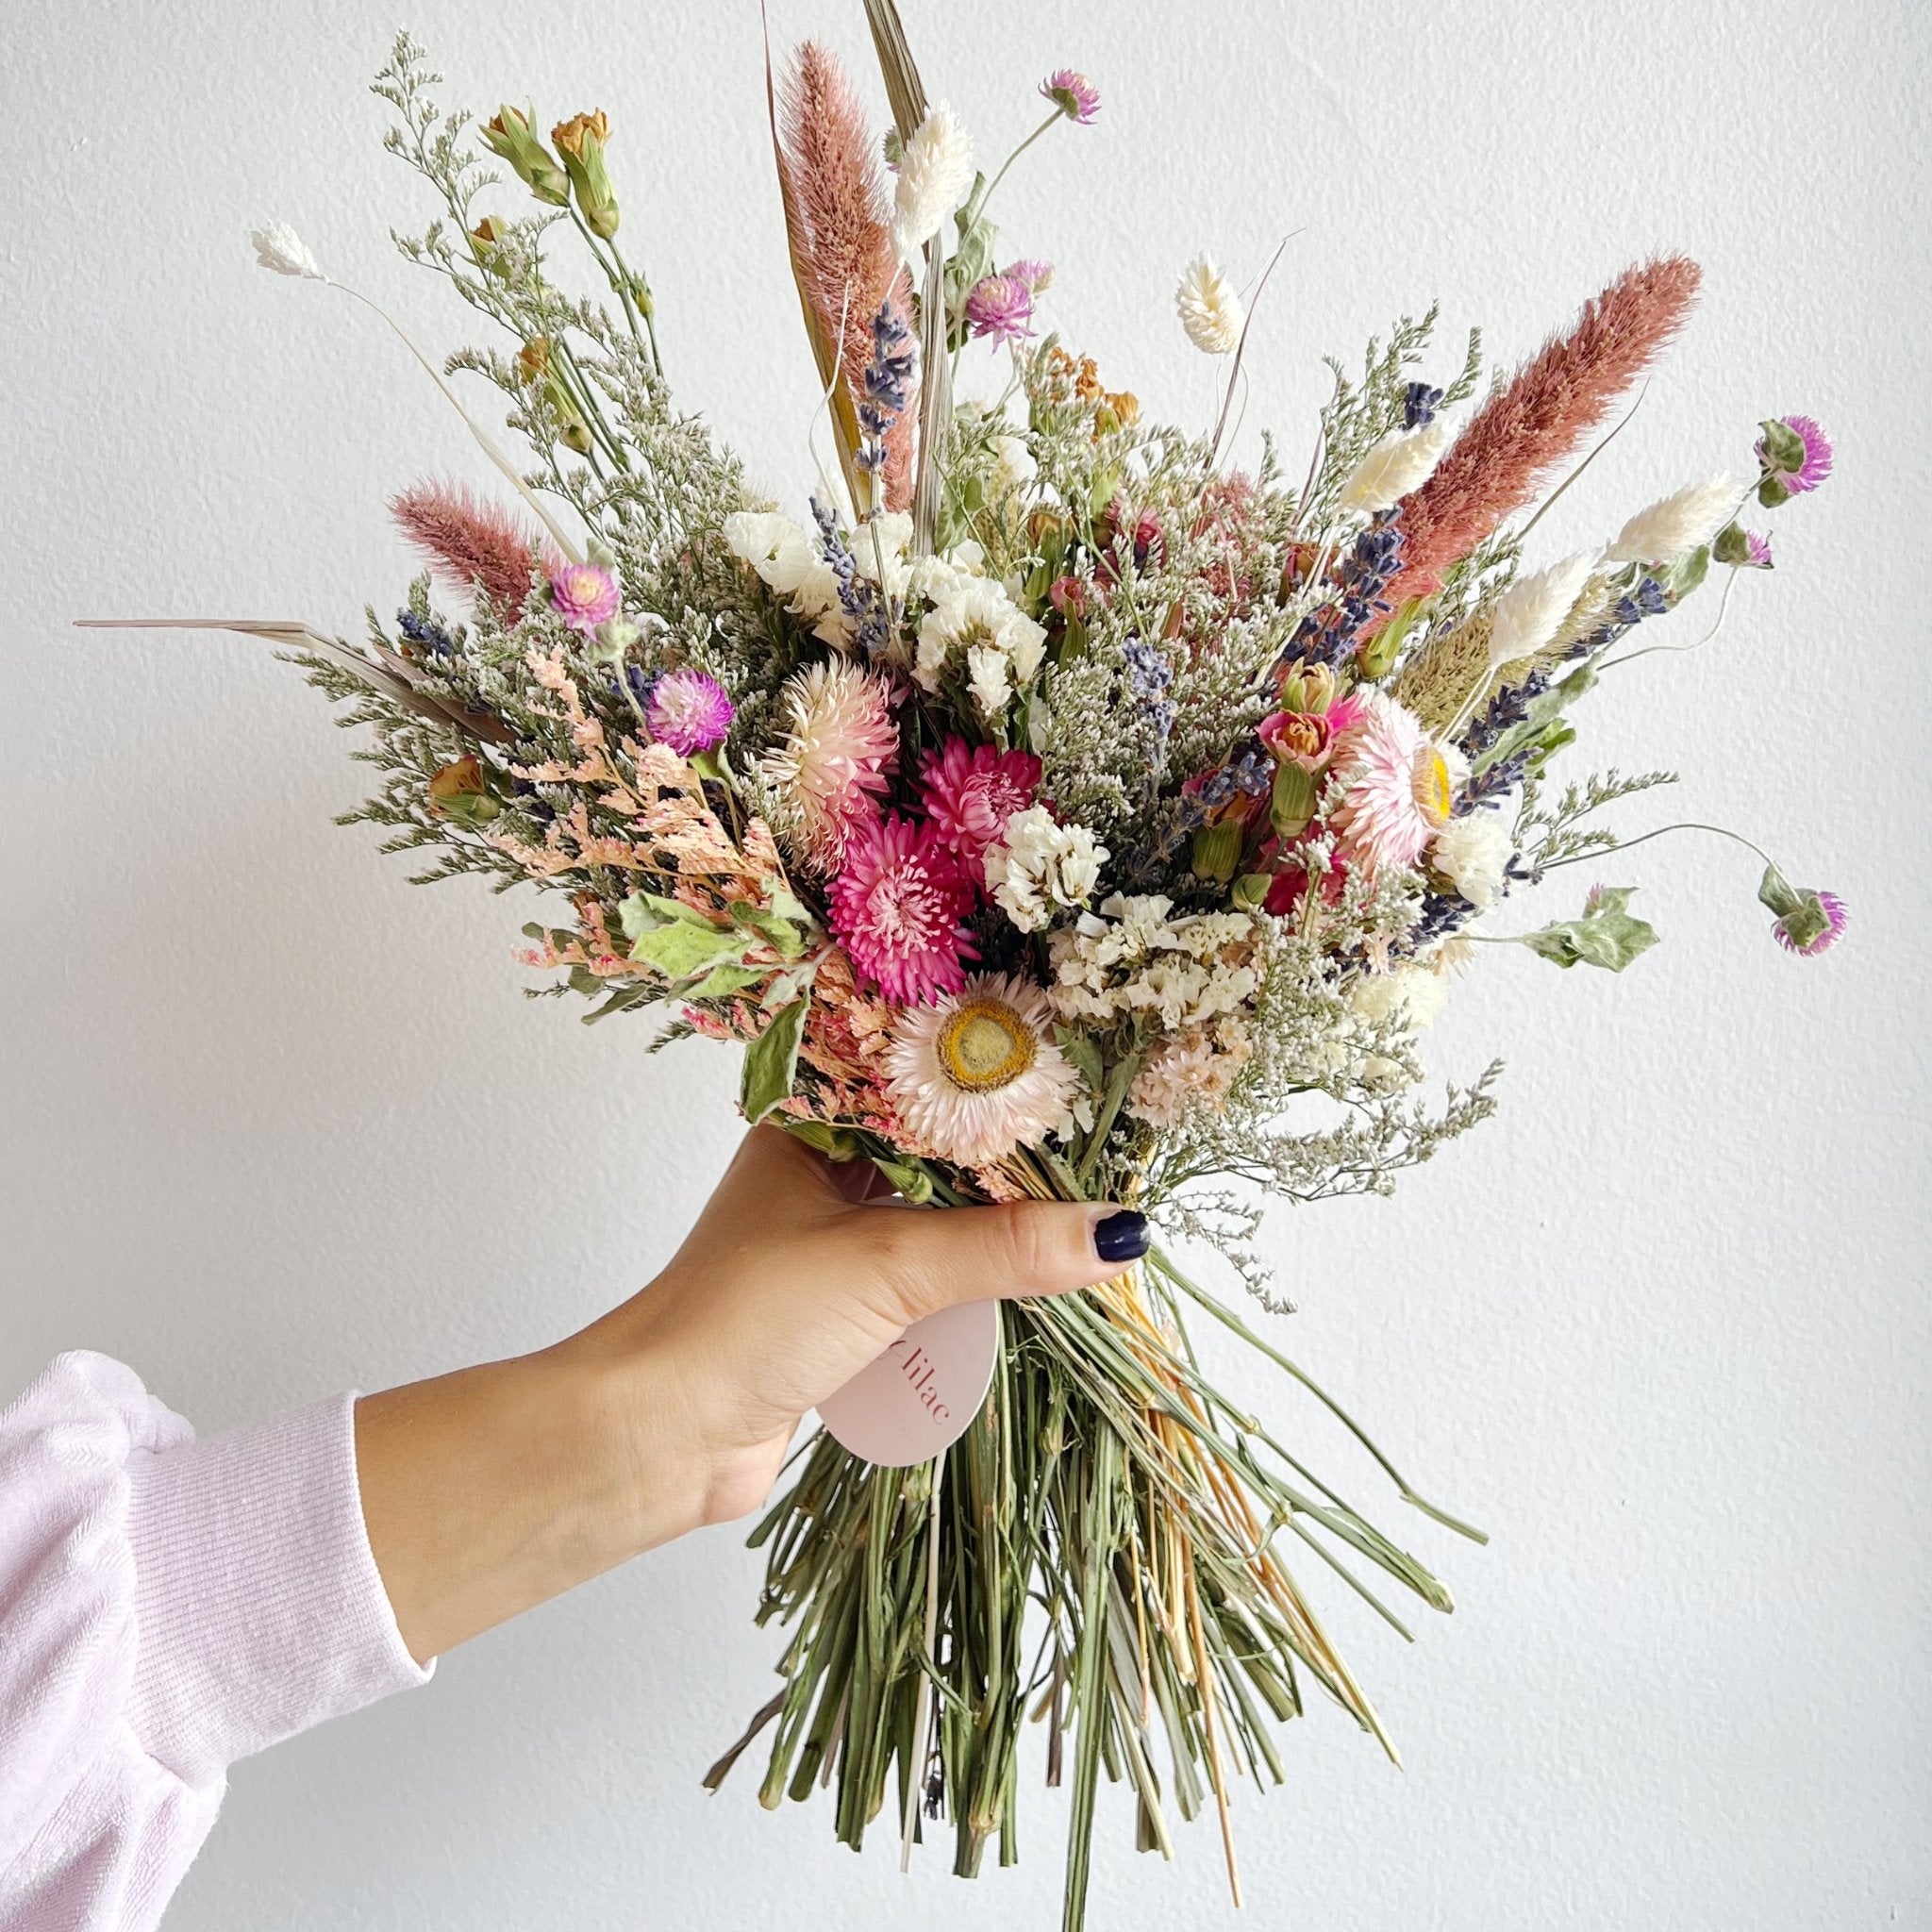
{"x":1122,"y":1236}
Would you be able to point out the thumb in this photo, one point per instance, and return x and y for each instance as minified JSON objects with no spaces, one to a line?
{"x":935,"y":1258}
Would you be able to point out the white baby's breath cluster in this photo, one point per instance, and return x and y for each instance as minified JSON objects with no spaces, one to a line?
{"x":1192,"y":1071}
{"x":1132,"y":960}
{"x":1038,"y":866}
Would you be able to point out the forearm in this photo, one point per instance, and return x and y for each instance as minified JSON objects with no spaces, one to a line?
{"x":491,"y":1489}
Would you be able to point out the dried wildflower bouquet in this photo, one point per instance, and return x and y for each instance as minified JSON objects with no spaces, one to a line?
{"x":1052,"y":811}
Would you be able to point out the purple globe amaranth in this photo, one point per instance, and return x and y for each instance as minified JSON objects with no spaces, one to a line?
{"x":689,"y":711}
{"x":1794,"y":455}
{"x":1808,"y":921}
{"x":1073,"y":93}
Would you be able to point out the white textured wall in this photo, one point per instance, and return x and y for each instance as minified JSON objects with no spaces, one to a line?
{"x":276,"y":1123}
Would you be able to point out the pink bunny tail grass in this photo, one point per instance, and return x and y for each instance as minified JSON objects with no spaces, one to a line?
{"x":847,"y":265}
{"x":1515,"y":442}
{"x":469,"y":542}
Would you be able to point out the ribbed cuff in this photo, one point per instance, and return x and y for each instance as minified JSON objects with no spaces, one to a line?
{"x":259,"y":1607}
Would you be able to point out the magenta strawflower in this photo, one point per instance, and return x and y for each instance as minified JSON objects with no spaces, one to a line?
{"x":1814,"y":467}
{"x":1757,"y":551}
{"x":1002,"y":307}
{"x":1814,"y":925}
{"x":899,"y":904}
{"x":689,"y":711}
{"x":1073,"y":93}
{"x":583,"y":595}
{"x":969,"y":791}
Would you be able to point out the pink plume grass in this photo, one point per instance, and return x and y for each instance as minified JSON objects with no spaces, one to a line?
{"x":1516,"y":441}
{"x":848,"y":267}
{"x":469,"y":542}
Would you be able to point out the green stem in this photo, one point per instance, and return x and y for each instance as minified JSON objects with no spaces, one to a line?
{"x":1599,"y":851}
{"x":1055,"y":115}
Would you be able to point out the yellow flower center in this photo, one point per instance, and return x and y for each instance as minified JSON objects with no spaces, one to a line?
{"x":1431,"y":786}
{"x":983,"y":1044}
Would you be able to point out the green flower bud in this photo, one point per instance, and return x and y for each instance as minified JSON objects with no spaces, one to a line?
{"x":1731,"y":546}
{"x":512,"y":135}
{"x":1293,"y":803}
{"x":580,"y":141}
{"x":1217,"y":850}
{"x":460,"y":792}
{"x":1781,"y":447}
{"x":1250,"y":891}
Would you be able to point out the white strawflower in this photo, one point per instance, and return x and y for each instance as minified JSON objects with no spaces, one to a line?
{"x":1395,"y":465}
{"x":1209,"y":309}
{"x":1531,"y":612}
{"x":278,"y":246}
{"x":979,"y":1073}
{"x":1470,"y":853}
{"x":1677,"y":523}
{"x":1037,"y":864}
{"x":935,"y":177}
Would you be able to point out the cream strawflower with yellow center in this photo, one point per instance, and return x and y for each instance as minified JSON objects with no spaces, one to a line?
{"x":978,"y":1075}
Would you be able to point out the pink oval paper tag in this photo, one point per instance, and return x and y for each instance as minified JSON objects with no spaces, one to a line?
{"x":917,"y":1398}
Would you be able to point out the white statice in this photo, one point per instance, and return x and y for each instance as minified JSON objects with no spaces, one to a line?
{"x":793,"y":563}
{"x":1039,"y":865}
{"x":1014,"y":468}
{"x":1393,"y":465}
{"x":1194,"y":1069}
{"x":974,"y":626}
{"x":278,"y":247}
{"x":935,"y":177}
{"x":1531,"y":612}
{"x":1471,"y":853}
{"x":1209,"y":309}
{"x":1677,"y":523}
{"x":1129,"y":958}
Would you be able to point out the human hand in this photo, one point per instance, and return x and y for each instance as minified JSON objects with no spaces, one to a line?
{"x":494,"y":1489}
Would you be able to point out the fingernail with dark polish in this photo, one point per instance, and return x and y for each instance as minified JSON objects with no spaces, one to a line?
{"x":1122,"y":1236}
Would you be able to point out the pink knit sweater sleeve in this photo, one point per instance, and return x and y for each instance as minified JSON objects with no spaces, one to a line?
{"x":166,"y":1607}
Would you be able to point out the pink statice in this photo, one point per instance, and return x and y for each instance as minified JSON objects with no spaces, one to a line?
{"x":1814,"y":925}
{"x":898,"y":905}
{"x":583,"y":595}
{"x":1816,"y":464}
{"x":689,"y":711}
{"x":1001,"y":307}
{"x":969,"y":791}
{"x":1073,"y":93}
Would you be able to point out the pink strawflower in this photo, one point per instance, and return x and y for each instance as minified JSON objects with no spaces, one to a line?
{"x":689,"y":711}
{"x":1799,"y":931}
{"x":583,"y":595}
{"x":1816,"y":465}
{"x":1001,"y":305}
{"x":833,"y":765}
{"x":1396,"y":786}
{"x":1036,"y":275}
{"x":969,"y":791}
{"x":1757,"y":551}
{"x":899,"y":904}
{"x":1073,"y":93}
